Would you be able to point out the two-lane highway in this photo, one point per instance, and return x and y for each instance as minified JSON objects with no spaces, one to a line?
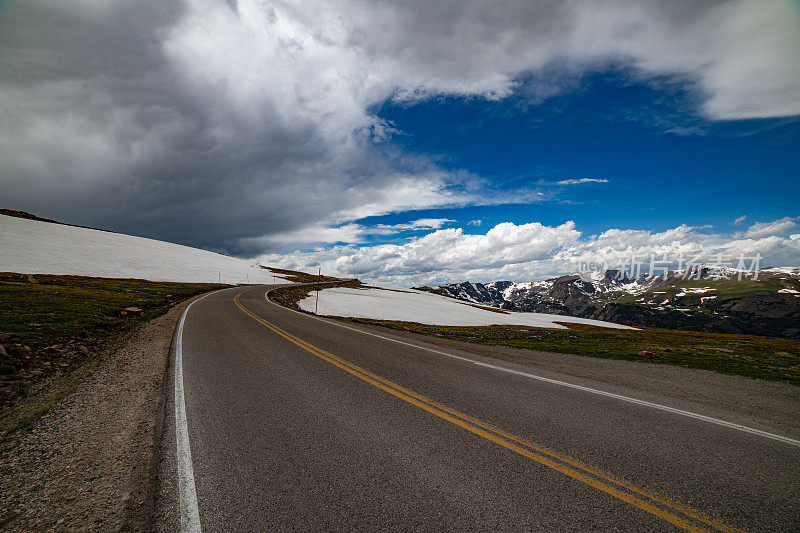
{"x":292,"y":422}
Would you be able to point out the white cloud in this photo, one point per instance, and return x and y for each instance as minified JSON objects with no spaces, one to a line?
{"x":414,"y":225}
{"x":349,"y":233}
{"x":530,"y":252}
{"x":346,"y":233}
{"x":766,"y":229}
{"x":739,"y":220}
{"x":443,"y":250}
{"x":577,"y":181}
{"x":476,"y":222}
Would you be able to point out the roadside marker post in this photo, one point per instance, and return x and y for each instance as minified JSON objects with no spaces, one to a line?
{"x":316,"y":300}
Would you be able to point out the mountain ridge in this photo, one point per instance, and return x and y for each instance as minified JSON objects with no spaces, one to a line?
{"x":702,"y":298}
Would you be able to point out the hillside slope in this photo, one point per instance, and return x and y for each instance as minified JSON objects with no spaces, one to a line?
{"x":37,"y":247}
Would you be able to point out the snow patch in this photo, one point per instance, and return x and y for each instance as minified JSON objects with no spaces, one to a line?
{"x":34,"y":247}
{"x":428,"y":308}
{"x":793,"y":271}
{"x":694,"y":290}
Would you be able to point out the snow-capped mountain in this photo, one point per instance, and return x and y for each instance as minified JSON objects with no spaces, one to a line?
{"x":564,"y":295}
{"x":702,"y":298}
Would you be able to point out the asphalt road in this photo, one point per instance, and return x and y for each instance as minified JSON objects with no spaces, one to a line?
{"x":296,"y":423}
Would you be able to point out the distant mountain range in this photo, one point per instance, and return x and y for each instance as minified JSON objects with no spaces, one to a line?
{"x":700,"y":299}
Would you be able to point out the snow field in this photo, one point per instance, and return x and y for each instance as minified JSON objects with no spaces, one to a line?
{"x":391,"y":303}
{"x":34,"y":247}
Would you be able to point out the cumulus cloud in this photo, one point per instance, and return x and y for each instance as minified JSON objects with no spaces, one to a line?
{"x":530,"y":252}
{"x":578,"y":181}
{"x":767,"y":229}
{"x":477,"y":222}
{"x":739,"y":220}
{"x":438,"y":252}
{"x":234,"y":125}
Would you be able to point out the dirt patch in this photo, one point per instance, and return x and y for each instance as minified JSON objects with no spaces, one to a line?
{"x":492,"y":309}
{"x":87,"y":464}
{"x":299,"y":277}
{"x":31,"y":216}
{"x":385,"y":289}
{"x":290,"y":296}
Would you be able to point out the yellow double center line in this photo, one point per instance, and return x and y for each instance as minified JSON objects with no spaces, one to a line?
{"x":663,"y":507}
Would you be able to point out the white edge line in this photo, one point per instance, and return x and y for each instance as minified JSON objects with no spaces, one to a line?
{"x":666,"y":408}
{"x":187,"y":495}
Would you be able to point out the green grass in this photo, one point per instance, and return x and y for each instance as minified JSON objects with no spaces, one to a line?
{"x":725,"y":288}
{"x":769,"y":358}
{"x":56,"y":323}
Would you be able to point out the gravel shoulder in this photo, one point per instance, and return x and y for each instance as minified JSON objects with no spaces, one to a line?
{"x":88,"y":464}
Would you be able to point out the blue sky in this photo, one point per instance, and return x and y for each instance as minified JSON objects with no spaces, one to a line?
{"x":364,"y":137}
{"x":665,"y":164}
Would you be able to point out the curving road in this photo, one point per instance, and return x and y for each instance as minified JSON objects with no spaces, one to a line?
{"x":286,"y":421}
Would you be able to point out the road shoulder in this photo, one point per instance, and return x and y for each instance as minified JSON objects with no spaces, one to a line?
{"x":88,"y":464}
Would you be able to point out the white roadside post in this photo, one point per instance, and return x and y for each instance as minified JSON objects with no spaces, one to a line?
{"x":316,"y":301}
